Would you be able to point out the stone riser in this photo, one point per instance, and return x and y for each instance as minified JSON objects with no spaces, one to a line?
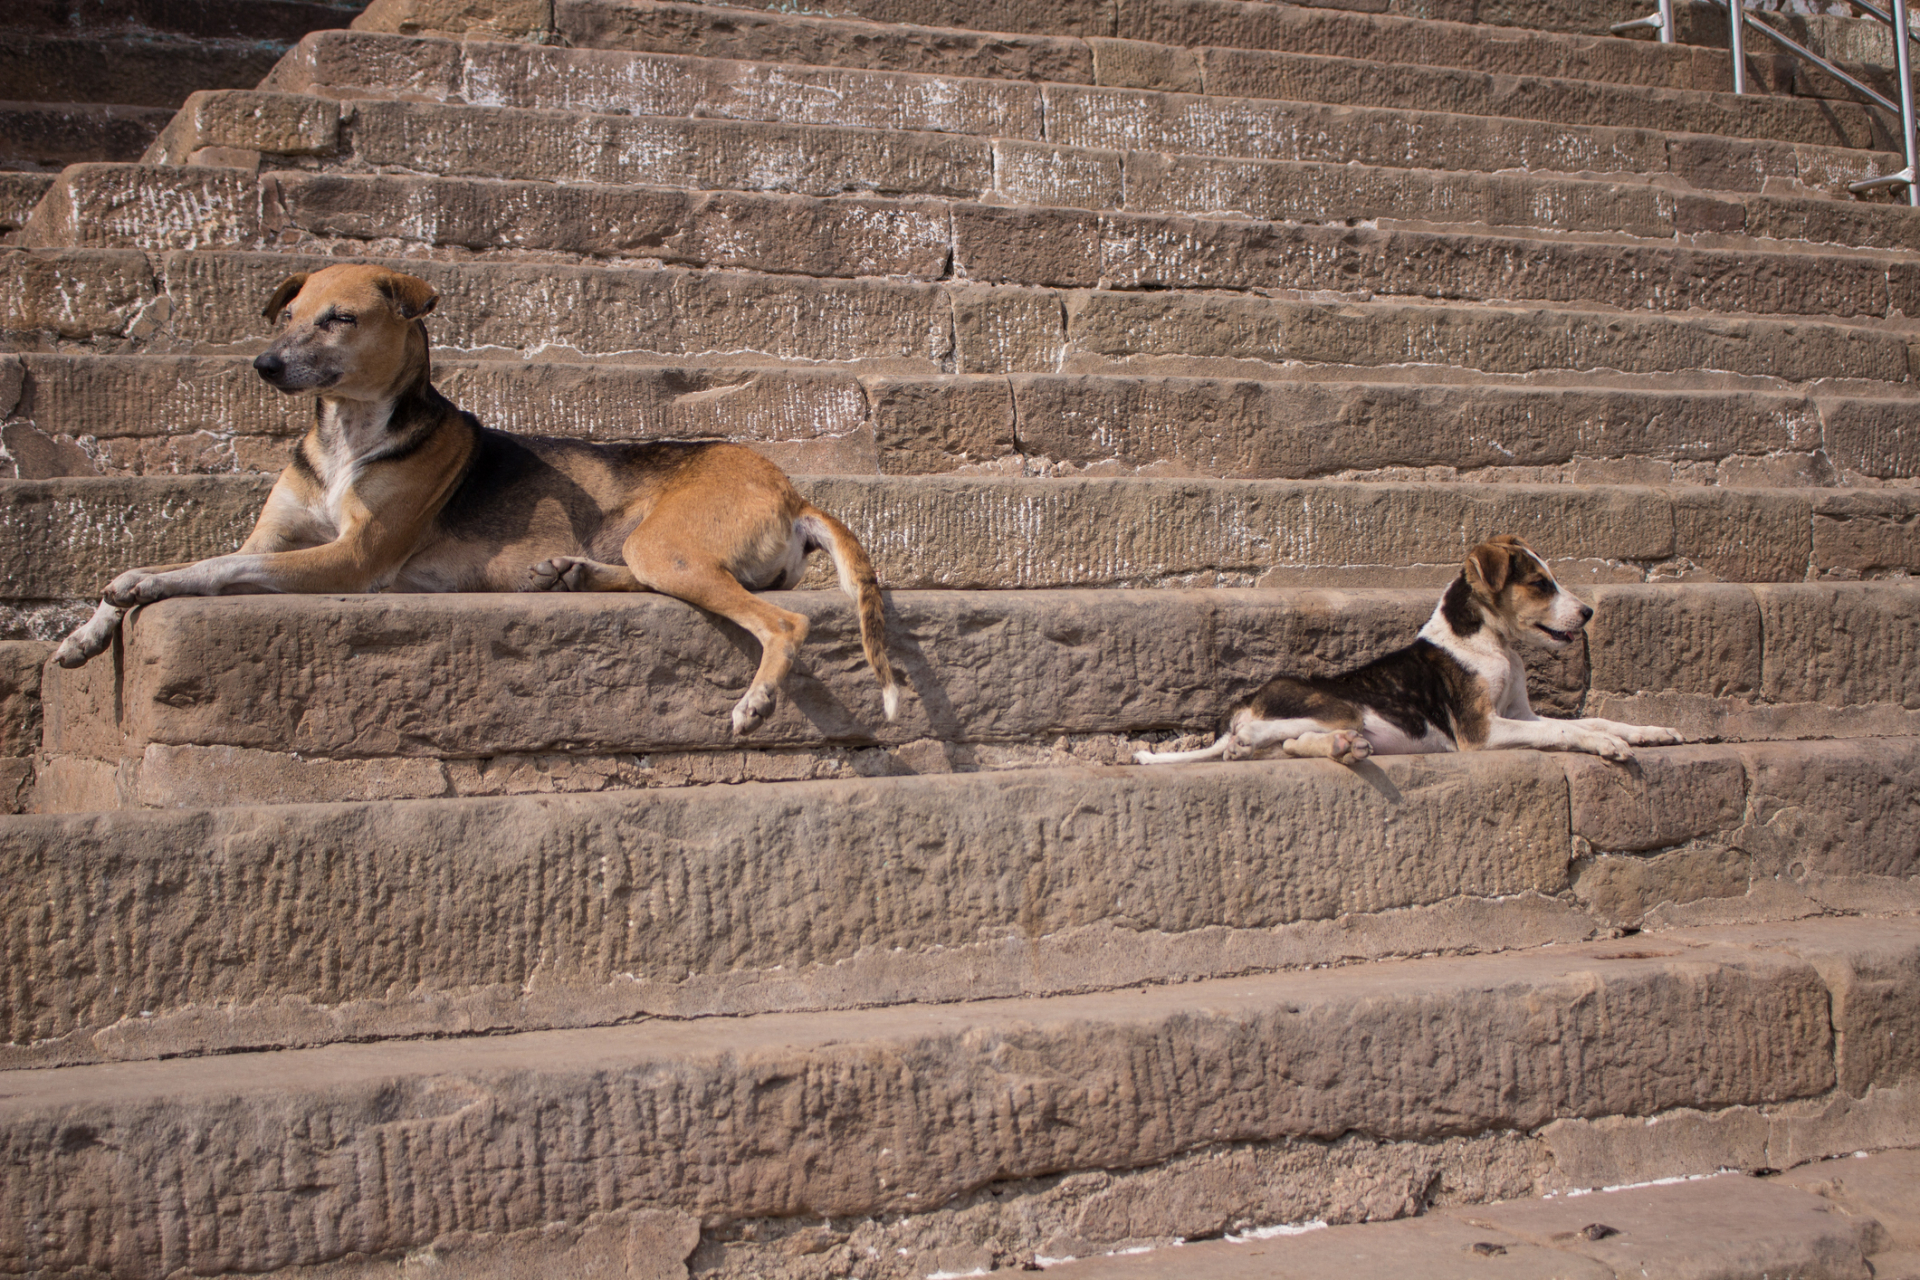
{"x":138,"y":70}
{"x":68,"y":536}
{"x":475,"y":676}
{"x":528,"y":913}
{"x":122,"y":300}
{"x":1147,"y":38}
{"x":900,"y":1110}
{"x":162,"y":208}
{"x":641,"y":84}
{"x":825,"y":159}
{"x":52,"y":135}
{"x":68,"y":415}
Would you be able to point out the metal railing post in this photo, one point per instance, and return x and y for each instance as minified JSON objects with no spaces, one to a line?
{"x":1737,"y":24}
{"x":1904,"y":69}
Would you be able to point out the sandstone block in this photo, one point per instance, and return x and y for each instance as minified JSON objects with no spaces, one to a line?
{"x":916,"y":1104}
{"x":1870,"y":437}
{"x":1671,"y":797}
{"x":153,"y":206}
{"x":1043,"y":174}
{"x":907,"y":865}
{"x":818,"y":41}
{"x":1865,"y":533}
{"x":76,"y":293}
{"x":922,"y":426}
{"x":1833,"y":808}
{"x":20,"y":663}
{"x":1841,"y":644}
{"x":1744,"y":535}
{"x":278,"y":123}
{"x":1626,"y":889}
{"x":1646,"y":639}
{"x":480,"y":19}
{"x":101,"y":526}
{"x":558,"y":146}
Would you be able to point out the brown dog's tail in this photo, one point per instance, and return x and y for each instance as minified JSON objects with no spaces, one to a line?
{"x":858,"y":580}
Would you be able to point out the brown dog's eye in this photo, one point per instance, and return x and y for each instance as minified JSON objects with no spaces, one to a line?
{"x":333,"y":318}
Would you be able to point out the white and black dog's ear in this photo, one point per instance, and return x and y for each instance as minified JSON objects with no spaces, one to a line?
{"x":1489,"y":564}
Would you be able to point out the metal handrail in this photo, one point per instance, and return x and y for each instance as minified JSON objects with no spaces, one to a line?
{"x":1662,"y":21}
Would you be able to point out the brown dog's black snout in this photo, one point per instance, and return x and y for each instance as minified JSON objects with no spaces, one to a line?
{"x":269,"y":366}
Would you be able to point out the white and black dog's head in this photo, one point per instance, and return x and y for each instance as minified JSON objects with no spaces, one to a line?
{"x":1508,"y":589}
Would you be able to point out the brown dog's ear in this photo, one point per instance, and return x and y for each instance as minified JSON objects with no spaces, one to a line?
{"x":411,"y":296}
{"x":289,"y":287}
{"x":1488,"y":563}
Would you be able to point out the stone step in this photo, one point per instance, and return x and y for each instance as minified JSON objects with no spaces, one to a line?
{"x":64,"y":538}
{"x":273,"y":20}
{"x":357,"y":64}
{"x":19,"y":193}
{"x":322,"y":698}
{"x":77,"y":415}
{"x":877,"y":150}
{"x":1840,"y":265}
{"x":160,"y":208}
{"x":850,"y":1115}
{"x":49,"y":135}
{"x":124,"y":300}
{"x":154,"y":208}
{"x":146,"y":69}
{"x":1713,"y":1224}
{"x":1151,"y":38}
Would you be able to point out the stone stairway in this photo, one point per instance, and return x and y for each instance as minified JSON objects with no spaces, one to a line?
{"x":1149,"y":347}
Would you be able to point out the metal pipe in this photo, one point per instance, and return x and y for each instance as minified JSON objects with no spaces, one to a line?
{"x":1660,"y":20}
{"x":1820,"y":62}
{"x":1902,"y":64}
{"x":1737,"y":24}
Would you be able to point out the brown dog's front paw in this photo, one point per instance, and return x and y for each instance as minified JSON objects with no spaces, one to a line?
{"x":557,"y":574}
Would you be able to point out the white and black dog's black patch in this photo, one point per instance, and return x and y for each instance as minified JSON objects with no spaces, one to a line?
{"x":1460,"y":686}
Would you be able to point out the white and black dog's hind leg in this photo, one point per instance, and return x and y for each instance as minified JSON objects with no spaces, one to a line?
{"x":1298,"y":719}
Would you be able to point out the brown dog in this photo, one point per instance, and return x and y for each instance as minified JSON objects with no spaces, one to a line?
{"x":397,"y":489}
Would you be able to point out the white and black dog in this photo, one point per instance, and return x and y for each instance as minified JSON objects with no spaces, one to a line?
{"x":1460,"y":686}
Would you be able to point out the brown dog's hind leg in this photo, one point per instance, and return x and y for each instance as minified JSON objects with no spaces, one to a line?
{"x":677,"y":568}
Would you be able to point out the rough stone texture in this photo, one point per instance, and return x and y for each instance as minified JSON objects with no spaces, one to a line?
{"x":279,"y":123}
{"x":20,"y":663}
{"x":1713,"y":1229}
{"x":1833,"y":807}
{"x":601,"y":906}
{"x":478,"y":676}
{"x":859,"y":1113}
{"x":1670,"y":798}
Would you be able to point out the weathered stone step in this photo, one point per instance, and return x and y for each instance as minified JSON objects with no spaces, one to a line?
{"x":587,"y":910}
{"x":851,"y":1115}
{"x":284,"y":21}
{"x":1152,"y":38}
{"x":19,"y":193}
{"x":124,"y":300}
{"x":76,"y":415}
{"x":162,"y":208}
{"x":66,"y":537}
{"x":144,"y":206}
{"x":147,"y":69}
{"x":1724,"y":1223}
{"x":157,"y":208}
{"x":1086,"y":18}
{"x":648,"y":84}
{"x":48,"y":135}
{"x":257,"y":700}
{"x":880,"y":153}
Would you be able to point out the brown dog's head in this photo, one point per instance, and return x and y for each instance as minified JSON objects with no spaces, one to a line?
{"x":349,"y":331}
{"x":1517,"y":594}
